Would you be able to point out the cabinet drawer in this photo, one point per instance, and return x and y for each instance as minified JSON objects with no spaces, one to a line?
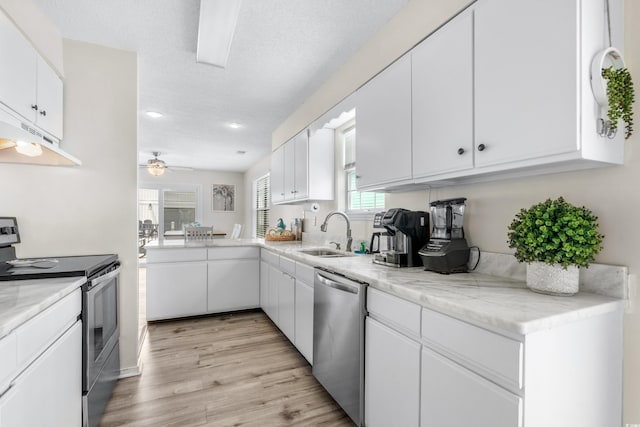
{"x":400,"y":314}
{"x":176,"y":255}
{"x":8,"y":360}
{"x":304,"y":273}
{"x":245,"y":252}
{"x":269,"y":257}
{"x":288,"y":266}
{"x":485,"y":352}
{"x":46,"y":327}
{"x":453,"y":396}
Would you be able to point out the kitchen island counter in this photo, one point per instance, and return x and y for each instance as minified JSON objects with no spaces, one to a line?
{"x":485,"y":300}
{"x":20,"y":300}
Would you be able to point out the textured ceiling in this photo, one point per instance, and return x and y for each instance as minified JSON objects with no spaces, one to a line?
{"x":283,"y":50}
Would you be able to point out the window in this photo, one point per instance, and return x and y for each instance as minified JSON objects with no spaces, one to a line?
{"x":357,"y":202}
{"x":362,"y":200}
{"x":263,"y":199}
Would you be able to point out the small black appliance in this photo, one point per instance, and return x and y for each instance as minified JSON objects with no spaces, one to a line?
{"x":407,"y":231}
{"x":447,"y":250}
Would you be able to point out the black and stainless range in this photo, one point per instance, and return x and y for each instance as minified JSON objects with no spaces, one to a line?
{"x":100,"y":325}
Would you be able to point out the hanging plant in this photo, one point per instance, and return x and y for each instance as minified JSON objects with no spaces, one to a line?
{"x":620,"y":96}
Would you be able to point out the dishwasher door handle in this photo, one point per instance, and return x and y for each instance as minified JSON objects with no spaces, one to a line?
{"x":337,"y":285}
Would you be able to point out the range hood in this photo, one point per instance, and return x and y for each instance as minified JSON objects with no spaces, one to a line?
{"x":21,"y":142}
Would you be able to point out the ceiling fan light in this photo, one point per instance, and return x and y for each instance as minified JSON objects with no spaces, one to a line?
{"x":216,"y":27}
{"x":155,"y":169}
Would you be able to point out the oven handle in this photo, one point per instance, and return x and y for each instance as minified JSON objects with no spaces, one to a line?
{"x":98,"y":280}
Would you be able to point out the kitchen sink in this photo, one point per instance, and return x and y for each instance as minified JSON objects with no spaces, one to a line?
{"x":325,"y":253}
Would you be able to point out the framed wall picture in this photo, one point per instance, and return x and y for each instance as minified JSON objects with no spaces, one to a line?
{"x":223,"y":197}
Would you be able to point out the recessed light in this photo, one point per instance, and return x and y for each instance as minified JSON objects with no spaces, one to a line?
{"x":234,"y":125}
{"x":154,"y":114}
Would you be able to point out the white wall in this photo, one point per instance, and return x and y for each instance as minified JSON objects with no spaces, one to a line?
{"x":205,"y":179}
{"x":611,"y":192}
{"x":88,"y":209}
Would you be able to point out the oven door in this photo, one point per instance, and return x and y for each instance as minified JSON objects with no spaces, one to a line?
{"x":100,"y":323}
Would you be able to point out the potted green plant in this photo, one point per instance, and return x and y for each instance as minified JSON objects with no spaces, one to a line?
{"x":555,"y":238}
{"x":620,"y":96}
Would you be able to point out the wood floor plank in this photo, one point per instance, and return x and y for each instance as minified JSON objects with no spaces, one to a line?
{"x":225,"y":370}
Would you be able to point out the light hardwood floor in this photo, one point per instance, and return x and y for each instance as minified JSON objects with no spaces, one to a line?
{"x":225,"y":370}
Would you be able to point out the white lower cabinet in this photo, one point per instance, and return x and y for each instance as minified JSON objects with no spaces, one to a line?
{"x":453,"y":396}
{"x":286,"y":305}
{"x":194,"y":281}
{"x":176,"y":289}
{"x":304,"y":319}
{"x":392,"y":377}
{"x":286,"y":296}
{"x":232,"y":285}
{"x":49,"y":391}
{"x":271,"y":307}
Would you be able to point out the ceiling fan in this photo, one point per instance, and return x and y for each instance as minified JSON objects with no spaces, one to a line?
{"x":157,"y":167}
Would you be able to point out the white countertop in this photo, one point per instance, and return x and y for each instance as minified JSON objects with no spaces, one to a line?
{"x":20,"y":300}
{"x":492,"y":301}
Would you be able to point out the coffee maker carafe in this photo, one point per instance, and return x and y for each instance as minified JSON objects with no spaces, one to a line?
{"x":447,"y":250}
{"x":407,"y":231}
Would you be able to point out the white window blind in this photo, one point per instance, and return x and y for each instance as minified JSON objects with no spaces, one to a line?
{"x":263,"y":199}
{"x":362,"y":201}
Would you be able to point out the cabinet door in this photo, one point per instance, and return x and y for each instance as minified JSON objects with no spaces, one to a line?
{"x":289,"y":170}
{"x":18,"y":70}
{"x":383,"y":115}
{"x":272,"y":294}
{"x":277,"y":175}
{"x":442,"y":101}
{"x":453,"y":396}
{"x":392,"y":372}
{"x":286,"y":305}
{"x":232,"y":285}
{"x":301,"y":166}
{"x":176,"y":290}
{"x":264,"y":285}
{"x":526,"y":79}
{"x":304,"y":320}
{"x":50,"y":103}
{"x":49,"y":391}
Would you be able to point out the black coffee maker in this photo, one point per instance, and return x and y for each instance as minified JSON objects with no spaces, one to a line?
{"x":407,"y":231}
{"x":447,"y":250}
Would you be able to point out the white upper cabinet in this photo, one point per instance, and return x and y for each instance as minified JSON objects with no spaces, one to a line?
{"x":442,"y":101}
{"x":503,"y":89}
{"x":18,"y":70}
{"x":50,"y":104}
{"x":28,"y":85}
{"x":277,"y":175}
{"x":383,"y":122}
{"x":526,"y":79}
{"x":303,"y":168}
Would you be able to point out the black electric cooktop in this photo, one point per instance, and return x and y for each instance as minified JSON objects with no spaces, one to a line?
{"x":67,"y":266}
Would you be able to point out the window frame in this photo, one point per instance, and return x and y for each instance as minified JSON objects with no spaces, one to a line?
{"x":255,"y":215}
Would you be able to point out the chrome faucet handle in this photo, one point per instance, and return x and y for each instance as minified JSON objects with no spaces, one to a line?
{"x":337,"y":245}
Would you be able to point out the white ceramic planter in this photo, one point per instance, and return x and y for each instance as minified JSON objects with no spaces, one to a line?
{"x":553,"y":279}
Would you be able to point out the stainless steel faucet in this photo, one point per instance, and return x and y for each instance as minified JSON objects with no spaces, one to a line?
{"x":323,"y":227}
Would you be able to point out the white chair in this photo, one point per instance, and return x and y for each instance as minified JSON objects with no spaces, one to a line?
{"x":236,"y":232}
{"x":198,"y":233}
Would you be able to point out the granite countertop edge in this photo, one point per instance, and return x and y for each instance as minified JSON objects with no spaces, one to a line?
{"x":22,"y":300}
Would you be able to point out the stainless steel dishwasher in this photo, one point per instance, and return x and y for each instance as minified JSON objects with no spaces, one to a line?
{"x":338,"y":340}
